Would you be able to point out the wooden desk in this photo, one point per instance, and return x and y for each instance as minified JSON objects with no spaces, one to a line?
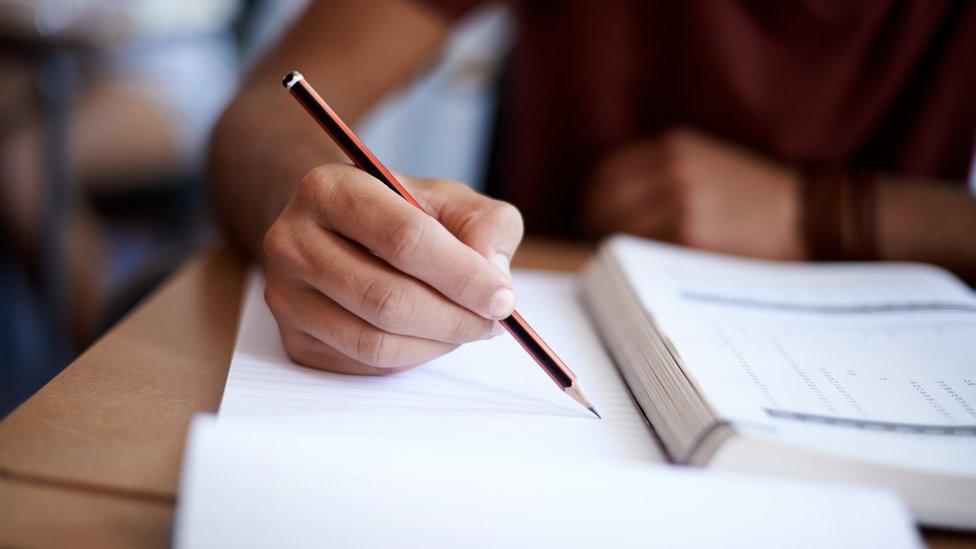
{"x":93,"y":458}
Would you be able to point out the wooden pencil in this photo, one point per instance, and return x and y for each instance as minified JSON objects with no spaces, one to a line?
{"x":364,"y":159}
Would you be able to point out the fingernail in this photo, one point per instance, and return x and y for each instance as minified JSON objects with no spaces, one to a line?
{"x":502,"y":304}
{"x":503,"y":263}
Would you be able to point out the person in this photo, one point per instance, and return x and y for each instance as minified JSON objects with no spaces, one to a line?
{"x":799,"y":130}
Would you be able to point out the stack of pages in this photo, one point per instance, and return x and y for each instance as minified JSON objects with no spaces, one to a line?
{"x":863,"y":373}
{"x":731,"y":364}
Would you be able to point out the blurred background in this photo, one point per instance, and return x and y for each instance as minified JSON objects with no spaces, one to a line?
{"x":105,"y":111}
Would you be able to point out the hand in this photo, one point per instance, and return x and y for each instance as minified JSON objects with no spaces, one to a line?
{"x":362,"y":282}
{"x":695,"y":190}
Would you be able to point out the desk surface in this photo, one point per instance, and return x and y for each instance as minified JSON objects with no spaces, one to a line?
{"x":93,"y":458}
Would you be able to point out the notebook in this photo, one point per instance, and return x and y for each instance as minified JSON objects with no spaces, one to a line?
{"x":861,"y":373}
{"x":257,"y":483}
{"x":478,"y":448}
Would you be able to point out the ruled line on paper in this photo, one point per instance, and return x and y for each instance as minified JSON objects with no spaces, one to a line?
{"x":484,"y":393}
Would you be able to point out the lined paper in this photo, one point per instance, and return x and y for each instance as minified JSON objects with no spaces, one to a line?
{"x":484,"y":394}
{"x":251,"y":484}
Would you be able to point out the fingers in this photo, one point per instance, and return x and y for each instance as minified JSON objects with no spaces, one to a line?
{"x":657,"y":223}
{"x":638,"y":190}
{"x":305,"y":349}
{"x":362,"y":209}
{"x":491,"y":227}
{"x":360,"y":281}
{"x":609,"y":199}
{"x":359,"y":346}
{"x":631,"y":205}
{"x":372,"y":290}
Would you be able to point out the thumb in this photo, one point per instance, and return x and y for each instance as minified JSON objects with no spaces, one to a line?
{"x":493,"y":228}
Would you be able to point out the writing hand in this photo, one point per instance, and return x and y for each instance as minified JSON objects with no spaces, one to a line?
{"x":362,"y":282}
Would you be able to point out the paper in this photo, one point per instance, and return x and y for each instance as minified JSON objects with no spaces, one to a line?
{"x":253,"y":484}
{"x":484,"y":394}
{"x":477,"y":449}
{"x":823,"y":355}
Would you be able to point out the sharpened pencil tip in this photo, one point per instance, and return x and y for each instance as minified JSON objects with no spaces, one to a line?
{"x":577,"y":394}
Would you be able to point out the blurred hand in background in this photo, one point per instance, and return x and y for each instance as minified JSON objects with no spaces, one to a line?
{"x":686,"y":187}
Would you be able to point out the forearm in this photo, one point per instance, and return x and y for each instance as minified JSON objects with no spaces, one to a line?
{"x":355,"y":51}
{"x":257,"y":161}
{"x":927,"y":221}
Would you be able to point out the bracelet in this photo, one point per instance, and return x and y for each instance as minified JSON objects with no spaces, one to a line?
{"x":821,"y":219}
{"x":838,"y":216}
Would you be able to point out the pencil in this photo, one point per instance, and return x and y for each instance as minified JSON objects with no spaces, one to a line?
{"x":361,"y":156}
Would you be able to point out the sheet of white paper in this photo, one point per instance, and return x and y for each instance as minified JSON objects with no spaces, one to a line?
{"x":248,"y":483}
{"x":827,"y":356}
{"x":484,"y":394}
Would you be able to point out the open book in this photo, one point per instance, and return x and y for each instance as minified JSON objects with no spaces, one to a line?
{"x":863,"y":373}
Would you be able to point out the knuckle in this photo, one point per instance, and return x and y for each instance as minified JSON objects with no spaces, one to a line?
{"x":321,"y":185}
{"x":405,"y":239}
{"x":386,"y":303}
{"x":449,"y":189}
{"x":280,"y":248}
{"x":272,"y":299}
{"x":376,"y":347}
{"x":507,"y":215}
{"x":485,"y":225}
{"x":275,"y":241}
{"x":497,"y":228}
{"x":297,"y":347}
{"x":314,"y":183}
{"x":447,"y":185}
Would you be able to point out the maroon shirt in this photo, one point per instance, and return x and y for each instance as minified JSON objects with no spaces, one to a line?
{"x":880,"y":85}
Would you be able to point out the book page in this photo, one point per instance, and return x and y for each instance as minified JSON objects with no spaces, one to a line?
{"x":484,"y":394}
{"x":826,"y":354}
{"x":248,"y":483}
